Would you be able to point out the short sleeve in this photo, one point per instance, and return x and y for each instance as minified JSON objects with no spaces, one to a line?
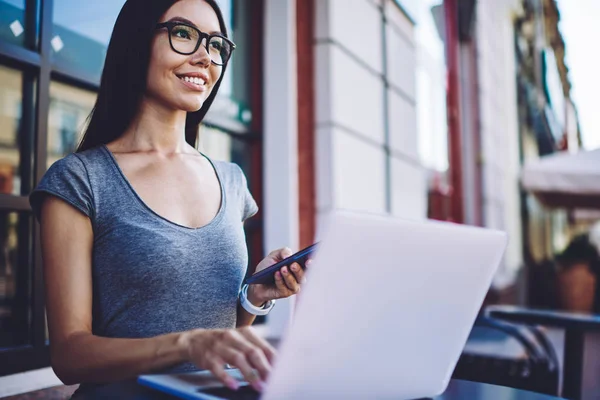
{"x":68,"y":180}
{"x":248,"y":204}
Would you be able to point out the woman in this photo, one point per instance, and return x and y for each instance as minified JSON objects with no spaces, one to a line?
{"x":143,"y":243}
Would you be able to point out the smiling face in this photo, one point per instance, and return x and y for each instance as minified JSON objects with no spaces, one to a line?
{"x":177,"y":81}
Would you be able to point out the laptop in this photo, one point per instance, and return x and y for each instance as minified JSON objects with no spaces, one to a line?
{"x":385,"y":313}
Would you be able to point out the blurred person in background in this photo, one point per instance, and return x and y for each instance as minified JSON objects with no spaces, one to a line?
{"x":143,"y":242}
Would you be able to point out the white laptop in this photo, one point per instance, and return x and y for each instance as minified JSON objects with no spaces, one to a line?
{"x":385,"y":314}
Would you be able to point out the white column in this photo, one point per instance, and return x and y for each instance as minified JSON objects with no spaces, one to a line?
{"x":280,"y":141}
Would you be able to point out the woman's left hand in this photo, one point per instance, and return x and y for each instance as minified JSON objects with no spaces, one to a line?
{"x":288,"y":280}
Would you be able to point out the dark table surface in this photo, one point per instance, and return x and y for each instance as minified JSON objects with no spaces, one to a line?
{"x":457,"y":390}
{"x":576,"y":326}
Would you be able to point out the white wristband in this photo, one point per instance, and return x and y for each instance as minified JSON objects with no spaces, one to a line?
{"x":251,"y":308}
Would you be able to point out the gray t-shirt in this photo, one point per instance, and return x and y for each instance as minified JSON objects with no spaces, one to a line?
{"x":152,"y":276}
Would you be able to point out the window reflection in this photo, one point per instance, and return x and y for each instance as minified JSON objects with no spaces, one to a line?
{"x":431,"y":87}
{"x":69,"y":109}
{"x":14,"y":287}
{"x":411,"y":7}
{"x":12,"y":21}
{"x":219,"y":145}
{"x":231,"y":106}
{"x":81,"y":33}
{"x":11,"y":84}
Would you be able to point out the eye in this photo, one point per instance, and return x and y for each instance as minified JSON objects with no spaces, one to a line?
{"x":216,"y":45}
{"x":182,"y":32}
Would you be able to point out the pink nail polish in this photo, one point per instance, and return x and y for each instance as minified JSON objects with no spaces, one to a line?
{"x":233,"y":384}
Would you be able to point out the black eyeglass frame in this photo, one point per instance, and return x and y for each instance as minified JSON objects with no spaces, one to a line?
{"x":201,"y":36}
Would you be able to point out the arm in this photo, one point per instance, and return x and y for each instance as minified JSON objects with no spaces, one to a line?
{"x":79,"y":356}
{"x":76,"y":354}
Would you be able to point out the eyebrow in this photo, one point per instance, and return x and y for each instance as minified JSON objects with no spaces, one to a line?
{"x":188,"y":22}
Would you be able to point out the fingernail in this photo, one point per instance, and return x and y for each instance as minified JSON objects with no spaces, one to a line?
{"x":284,"y":270}
{"x":258,"y":386}
{"x":295,"y":267}
{"x":233,"y":384}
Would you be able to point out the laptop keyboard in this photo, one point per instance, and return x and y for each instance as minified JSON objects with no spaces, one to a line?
{"x":243,"y":393}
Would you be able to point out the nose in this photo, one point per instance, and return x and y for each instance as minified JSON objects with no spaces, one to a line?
{"x":201,"y":56}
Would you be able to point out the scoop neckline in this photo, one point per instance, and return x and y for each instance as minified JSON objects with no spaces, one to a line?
{"x":148,"y":209}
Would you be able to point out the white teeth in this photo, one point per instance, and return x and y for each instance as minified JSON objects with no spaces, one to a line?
{"x":194,"y":80}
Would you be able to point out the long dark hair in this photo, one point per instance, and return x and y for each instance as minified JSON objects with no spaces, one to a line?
{"x":125,"y":73}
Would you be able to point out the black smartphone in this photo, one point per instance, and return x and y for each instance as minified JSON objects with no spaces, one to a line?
{"x":267,"y":275}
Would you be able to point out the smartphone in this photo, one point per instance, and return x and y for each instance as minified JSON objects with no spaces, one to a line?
{"x":267,"y":275}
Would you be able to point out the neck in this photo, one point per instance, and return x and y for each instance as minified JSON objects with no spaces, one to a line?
{"x":156,"y":129}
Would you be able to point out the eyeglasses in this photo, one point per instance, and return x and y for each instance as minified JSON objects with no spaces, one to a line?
{"x":186,"y":39}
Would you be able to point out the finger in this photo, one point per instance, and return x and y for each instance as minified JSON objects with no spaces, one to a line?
{"x":259,"y":362}
{"x":259,"y":342}
{"x":285,"y":253}
{"x":282,"y":289}
{"x":253,"y":354}
{"x":282,"y":253}
{"x":298,"y":272}
{"x":217,"y":369}
{"x":238,"y":358}
{"x":290,"y":280}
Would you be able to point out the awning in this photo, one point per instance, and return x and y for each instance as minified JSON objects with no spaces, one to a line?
{"x":565,"y":180}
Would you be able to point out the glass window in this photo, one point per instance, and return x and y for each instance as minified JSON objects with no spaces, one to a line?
{"x":12,"y":21}
{"x":431,"y":86}
{"x":231,"y":107}
{"x":69,"y":109}
{"x":219,"y":145}
{"x":11,"y":100}
{"x":15,"y":306}
{"x":81,"y":33}
{"x":411,"y":7}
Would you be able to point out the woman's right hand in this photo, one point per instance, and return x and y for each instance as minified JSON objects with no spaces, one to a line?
{"x":241,"y":348}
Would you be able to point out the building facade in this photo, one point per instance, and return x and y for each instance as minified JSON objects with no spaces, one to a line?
{"x":548,"y":123}
{"x":499,"y":163}
{"x":345,"y":135}
{"x":508,"y":103}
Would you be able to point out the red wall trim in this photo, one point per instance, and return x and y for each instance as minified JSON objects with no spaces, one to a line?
{"x":256,"y":240}
{"x":453,"y":101}
{"x":305,"y":23}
